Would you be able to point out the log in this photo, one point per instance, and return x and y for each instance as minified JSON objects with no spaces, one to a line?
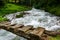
{"x":44,"y":37}
{"x":36,"y":33}
{"x":25,"y":28}
{"x":52,"y":33}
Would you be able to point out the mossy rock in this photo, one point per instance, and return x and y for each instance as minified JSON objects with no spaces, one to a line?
{"x":18,"y":16}
{"x":21,"y":14}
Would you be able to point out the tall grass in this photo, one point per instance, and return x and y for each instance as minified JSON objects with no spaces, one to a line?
{"x":11,"y":8}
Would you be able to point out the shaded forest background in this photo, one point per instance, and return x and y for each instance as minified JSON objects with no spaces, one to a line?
{"x":52,"y":6}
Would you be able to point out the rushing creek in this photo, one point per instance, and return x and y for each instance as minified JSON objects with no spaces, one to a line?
{"x":37,"y":18}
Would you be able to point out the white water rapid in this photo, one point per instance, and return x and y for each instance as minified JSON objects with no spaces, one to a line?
{"x":37,"y":18}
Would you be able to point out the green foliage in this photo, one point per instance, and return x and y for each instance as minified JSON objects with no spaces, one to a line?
{"x":11,"y":8}
{"x":52,"y":6}
{"x":25,"y":2}
{"x":55,"y":38}
{"x":3,"y":19}
{"x":54,"y":10}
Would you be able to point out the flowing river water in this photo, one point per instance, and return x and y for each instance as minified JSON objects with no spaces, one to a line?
{"x":37,"y":18}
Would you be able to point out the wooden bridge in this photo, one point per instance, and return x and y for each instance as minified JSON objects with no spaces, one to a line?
{"x":28,"y":32}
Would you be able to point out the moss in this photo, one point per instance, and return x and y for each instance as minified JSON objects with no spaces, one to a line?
{"x":3,"y":19}
{"x":55,"y":38}
{"x":21,"y":15}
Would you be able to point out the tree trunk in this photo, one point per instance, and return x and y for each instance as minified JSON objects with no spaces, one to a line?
{"x":15,"y":1}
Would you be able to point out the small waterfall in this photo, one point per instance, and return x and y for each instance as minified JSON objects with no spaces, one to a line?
{"x":37,"y":18}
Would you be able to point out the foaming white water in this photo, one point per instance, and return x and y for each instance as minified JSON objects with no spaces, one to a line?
{"x":12,"y":16}
{"x":37,"y":18}
{"x":4,"y":35}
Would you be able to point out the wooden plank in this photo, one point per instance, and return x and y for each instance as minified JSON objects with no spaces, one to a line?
{"x":44,"y":37}
{"x":25,"y":28}
{"x":36,"y":33}
{"x":4,"y":26}
{"x":41,"y":31}
{"x":15,"y":28}
{"x":6,"y":23}
{"x":37,"y":30}
{"x":52,"y":33}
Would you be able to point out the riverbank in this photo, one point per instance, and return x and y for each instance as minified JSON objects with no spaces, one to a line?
{"x":53,"y":10}
{"x":11,"y":8}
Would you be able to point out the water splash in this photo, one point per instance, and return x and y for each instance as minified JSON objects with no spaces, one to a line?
{"x":39,"y":18}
